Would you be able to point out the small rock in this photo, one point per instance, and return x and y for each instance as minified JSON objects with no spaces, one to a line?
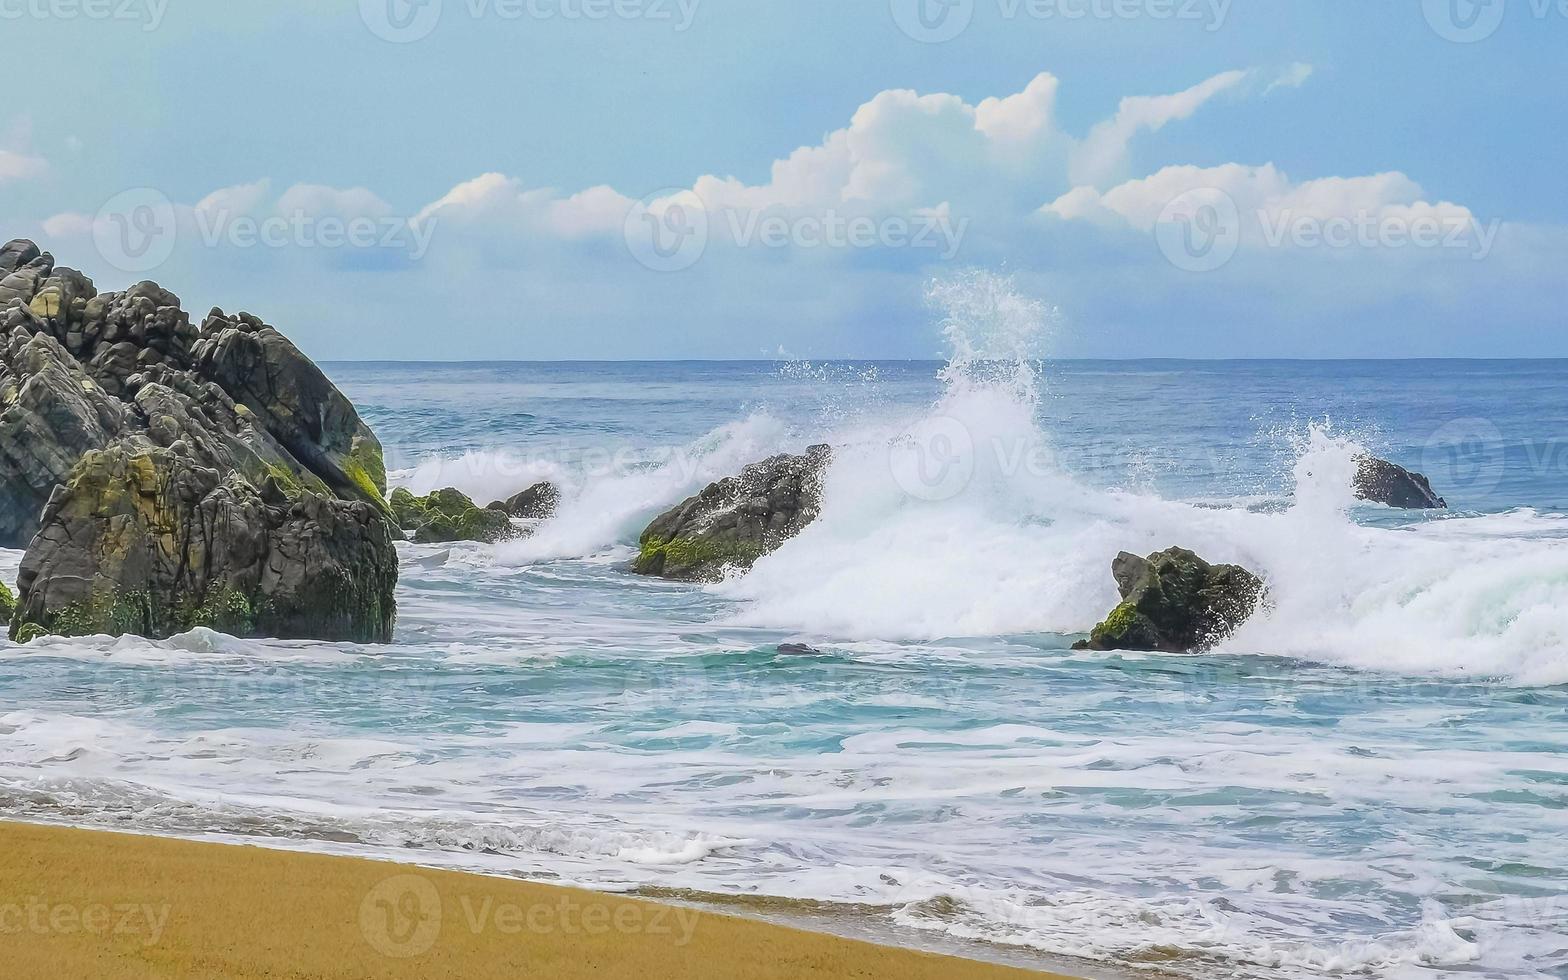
{"x":1175,"y":602}
{"x":797,"y":650}
{"x":737,"y":520}
{"x":1383,"y":482}
{"x":536,"y":503}
{"x":449,"y":515}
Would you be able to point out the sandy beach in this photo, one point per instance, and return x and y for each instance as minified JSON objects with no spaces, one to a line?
{"x":77,"y":903}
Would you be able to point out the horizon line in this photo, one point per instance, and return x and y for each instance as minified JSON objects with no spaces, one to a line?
{"x":923,"y":360}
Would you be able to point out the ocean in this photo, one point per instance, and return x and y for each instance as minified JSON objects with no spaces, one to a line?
{"x":1368,"y":779}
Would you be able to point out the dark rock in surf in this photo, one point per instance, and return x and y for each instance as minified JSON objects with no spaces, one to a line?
{"x":737,"y":520}
{"x":145,"y":540}
{"x":448,"y":515}
{"x":117,"y":414}
{"x":797,"y":650}
{"x":1175,"y":602}
{"x":536,"y":503}
{"x":1383,"y":482}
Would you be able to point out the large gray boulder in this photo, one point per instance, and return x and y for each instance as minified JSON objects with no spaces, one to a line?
{"x":735,"y":521}
{"x":101,"y":393}
{"x":144,"y":540}
{"x":1382,"y":482}
{"x":1175,"y":602}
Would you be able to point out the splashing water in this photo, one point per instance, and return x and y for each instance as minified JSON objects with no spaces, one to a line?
{"x":945,"y":765}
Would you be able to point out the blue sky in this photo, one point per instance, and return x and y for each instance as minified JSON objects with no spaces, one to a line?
{"x":490,"y":167}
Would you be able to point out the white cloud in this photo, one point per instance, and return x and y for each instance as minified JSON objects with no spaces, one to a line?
{"x":20,"y":166}
{"x":1266,"y":199}
{"x":1057,"y":208}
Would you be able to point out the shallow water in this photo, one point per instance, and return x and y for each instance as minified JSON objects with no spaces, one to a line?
{"x":1369,"y":779}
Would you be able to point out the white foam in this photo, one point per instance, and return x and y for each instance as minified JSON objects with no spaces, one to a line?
{"x":1021,"y":546}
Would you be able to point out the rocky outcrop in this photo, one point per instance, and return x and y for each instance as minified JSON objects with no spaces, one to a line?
{"x":144,"y":540}
{"x":1175,"y":602}
{"x":735,"y":521}
{"x":128,"y":434}
{"x":448,"y":515}
{"x":7,"y":603}
{"x":536,"y":503}
{"x":1383,"y":482}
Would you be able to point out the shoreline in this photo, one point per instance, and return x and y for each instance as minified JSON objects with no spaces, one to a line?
{"x":86,"y":902}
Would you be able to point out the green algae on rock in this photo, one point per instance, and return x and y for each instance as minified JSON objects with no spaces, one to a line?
{"x":144,"y":541}
{"x":164,"y":477}
{"x":735,"y":521}
{"x":1175,"y":602}
{"x":449,"y":515}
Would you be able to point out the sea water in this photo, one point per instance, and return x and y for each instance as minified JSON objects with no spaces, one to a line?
{"x":1370,"y":778}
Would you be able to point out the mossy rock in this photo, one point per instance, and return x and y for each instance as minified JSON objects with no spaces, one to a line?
{"x":694,"y":557}
{"x":141,"y":541}
{"x":449,"y":515}
{"x":7,"y":603}
{"x":736,"y":521}
{"x":1175,"y":602}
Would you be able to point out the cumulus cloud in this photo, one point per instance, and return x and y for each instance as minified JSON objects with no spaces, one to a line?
{"x":1002,"y":178}
{"x":1266,"y":200}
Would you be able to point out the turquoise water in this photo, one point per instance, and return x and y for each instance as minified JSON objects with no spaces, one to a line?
{"x":1368,"y":780}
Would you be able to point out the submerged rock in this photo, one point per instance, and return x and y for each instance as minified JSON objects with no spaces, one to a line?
{"x":737,"y":520}
{"x":536,"y":503}
{"x":1175,"y":602}
{"x":448,"y":515}
{"x":117,"y":418}
{"x":1383,"y":482}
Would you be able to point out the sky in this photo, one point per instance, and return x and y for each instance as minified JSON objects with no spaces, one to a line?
{"x":547,"y":179}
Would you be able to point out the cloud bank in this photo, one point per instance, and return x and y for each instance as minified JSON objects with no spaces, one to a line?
{"x":826,"y":257}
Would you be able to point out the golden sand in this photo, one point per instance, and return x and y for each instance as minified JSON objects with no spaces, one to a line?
{"x":86,"y":904}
